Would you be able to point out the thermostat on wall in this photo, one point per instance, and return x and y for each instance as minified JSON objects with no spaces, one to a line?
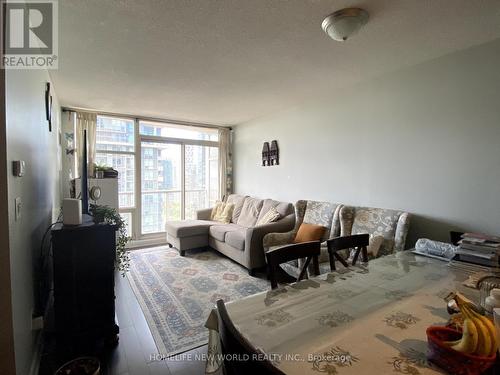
{"x":18,"y":168}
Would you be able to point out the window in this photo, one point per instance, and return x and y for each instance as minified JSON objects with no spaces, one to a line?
{"x":114,"y":134}
{"x":179,"y":170}
{"x":202,"y":186}
{"x":166,"y":130}
{"x":160,"y":185}
{"x":115,"y":147}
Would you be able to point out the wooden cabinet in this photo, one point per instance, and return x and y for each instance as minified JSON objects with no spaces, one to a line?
{"x":84,"y":295}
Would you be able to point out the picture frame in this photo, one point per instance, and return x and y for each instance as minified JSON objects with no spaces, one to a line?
{"x":48,"y":106}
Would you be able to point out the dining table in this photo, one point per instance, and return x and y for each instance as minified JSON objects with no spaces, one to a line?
{"x":366,"y":319}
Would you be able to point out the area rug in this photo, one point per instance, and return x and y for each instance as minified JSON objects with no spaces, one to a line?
{"x":177,"y":293}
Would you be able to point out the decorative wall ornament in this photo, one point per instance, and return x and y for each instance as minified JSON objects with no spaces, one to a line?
{"x":270,"y":155}
{"x":48,"y":106}
{"x":265,"y":155}
{"x":274,"y":154}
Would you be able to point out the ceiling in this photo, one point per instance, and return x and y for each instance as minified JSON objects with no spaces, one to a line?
{"x":229,"y":61}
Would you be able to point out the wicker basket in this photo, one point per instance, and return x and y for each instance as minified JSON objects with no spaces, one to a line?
{"x":450,"y":360}
{"x":80,"y":366}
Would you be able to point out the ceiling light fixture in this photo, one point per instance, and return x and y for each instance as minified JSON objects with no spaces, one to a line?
{"x":343,"y":23}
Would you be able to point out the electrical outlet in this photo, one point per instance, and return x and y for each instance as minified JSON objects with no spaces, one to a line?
{"x":18,"y":204}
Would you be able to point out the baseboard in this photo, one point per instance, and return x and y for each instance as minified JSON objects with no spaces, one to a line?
{"x":39,"y":341}
{"x":37,"y":355}
{"x":147,"y":242}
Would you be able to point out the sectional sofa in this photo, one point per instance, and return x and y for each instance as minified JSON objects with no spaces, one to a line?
{"x":241,"y":239}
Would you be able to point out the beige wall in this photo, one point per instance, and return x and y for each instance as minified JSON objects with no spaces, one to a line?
{"x":29,"y":139}
{"x":425,"y":139}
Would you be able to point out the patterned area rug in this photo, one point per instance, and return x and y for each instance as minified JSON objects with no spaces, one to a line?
{"x":177,"y":293}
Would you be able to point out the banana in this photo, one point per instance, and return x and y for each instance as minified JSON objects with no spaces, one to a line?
{"x":487,"y":341}
{"x":469,"y":340}
{"x":490,"y":327}
{"x":484,"y":339}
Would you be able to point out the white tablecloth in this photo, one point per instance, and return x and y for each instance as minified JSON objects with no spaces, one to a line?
{"x":367,"y":320}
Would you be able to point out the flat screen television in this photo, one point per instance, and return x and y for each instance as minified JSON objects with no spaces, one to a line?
{"x":85,"y":190}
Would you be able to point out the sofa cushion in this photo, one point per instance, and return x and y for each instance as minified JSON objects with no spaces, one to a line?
{"x":309,"y":232}
{"x":270,"y":217}
{"x":236,"y":238}
{"x":336,"y":229}
{"x":377,"y":221}
{"x":374,"y":245}
{"x":320,"y":213}
{"x":238,"y":201}
{"x":283,"y":208}
{"x":250,"y":212}
{"x":187,"y":228}
{"x":219,"y":231}
{"x":222,"y":212}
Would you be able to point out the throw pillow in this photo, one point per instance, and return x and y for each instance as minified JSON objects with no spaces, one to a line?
{"x":270,"y":217}
{"x":222,"y":212}
{"x":250,"y":212}
{"x":309,"y":232}
{"x":373,"y":247}
{"x":216,"y":209}
{"x":238,"y":201}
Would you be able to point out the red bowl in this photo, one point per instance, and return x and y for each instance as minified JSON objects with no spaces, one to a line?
{"x":449,"y":359}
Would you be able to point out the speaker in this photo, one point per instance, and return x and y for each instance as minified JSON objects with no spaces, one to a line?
{"x":72,"y":211}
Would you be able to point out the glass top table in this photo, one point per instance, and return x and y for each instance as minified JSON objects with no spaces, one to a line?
{"x":370,"y":319}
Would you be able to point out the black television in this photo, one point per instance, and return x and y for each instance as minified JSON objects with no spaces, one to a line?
{"x":84,"y":187}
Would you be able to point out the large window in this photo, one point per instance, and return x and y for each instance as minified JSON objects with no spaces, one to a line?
{"x":115,"y":147}
{"x":161,"y":177}
{"x":202,"y":178}
{"x":179,"y":172}
{"x":166,"y":171}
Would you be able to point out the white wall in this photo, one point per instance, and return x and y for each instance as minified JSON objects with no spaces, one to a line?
{"x":425,"y":139}
{"x":29,"y":139}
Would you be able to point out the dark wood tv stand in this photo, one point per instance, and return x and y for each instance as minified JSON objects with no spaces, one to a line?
{"x":84,"y":295}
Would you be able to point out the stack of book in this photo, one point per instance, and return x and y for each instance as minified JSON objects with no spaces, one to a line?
{"x":479,"y":249}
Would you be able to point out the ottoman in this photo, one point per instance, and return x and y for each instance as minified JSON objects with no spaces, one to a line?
{"x":188,"y":234}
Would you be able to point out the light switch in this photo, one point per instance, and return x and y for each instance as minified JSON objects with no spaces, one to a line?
{"x":17,"y":208}
{"x":18,"y":168}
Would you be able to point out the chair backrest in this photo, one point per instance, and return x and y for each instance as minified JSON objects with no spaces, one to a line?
{"x":357,"y":243}
{"x":319,"y":213}
{"x":391,"y":224}
{"x":235,"y":346}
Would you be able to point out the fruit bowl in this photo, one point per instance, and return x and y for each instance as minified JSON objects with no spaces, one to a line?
{"x":449,"y":359}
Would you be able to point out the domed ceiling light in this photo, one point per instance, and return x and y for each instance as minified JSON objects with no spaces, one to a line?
{"x":343,"y":23}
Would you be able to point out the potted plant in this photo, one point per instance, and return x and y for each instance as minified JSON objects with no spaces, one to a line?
{"x":99,"y":170}
{"x":109,"y":215}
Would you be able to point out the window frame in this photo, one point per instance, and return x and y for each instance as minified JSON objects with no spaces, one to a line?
{"x":139,"y":239}
{"x":167,"y":140}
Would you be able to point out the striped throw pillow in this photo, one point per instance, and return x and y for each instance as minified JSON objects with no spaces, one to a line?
{"x":270,"y":217}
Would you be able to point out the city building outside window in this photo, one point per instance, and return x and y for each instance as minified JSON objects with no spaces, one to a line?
{"x":178,"y":170}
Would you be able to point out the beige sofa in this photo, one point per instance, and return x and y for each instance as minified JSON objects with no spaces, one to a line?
{"x":241,"y":239}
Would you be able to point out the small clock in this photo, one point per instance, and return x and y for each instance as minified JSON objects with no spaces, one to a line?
{"x":95,"y":193}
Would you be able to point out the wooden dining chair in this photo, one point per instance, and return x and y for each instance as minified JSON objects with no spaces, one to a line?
{"x":234,"y":345}
{"x":308,"y":250}
{"x":358,"y":242}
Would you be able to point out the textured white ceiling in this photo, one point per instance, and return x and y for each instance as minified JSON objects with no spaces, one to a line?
{"x":229,"y":61}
